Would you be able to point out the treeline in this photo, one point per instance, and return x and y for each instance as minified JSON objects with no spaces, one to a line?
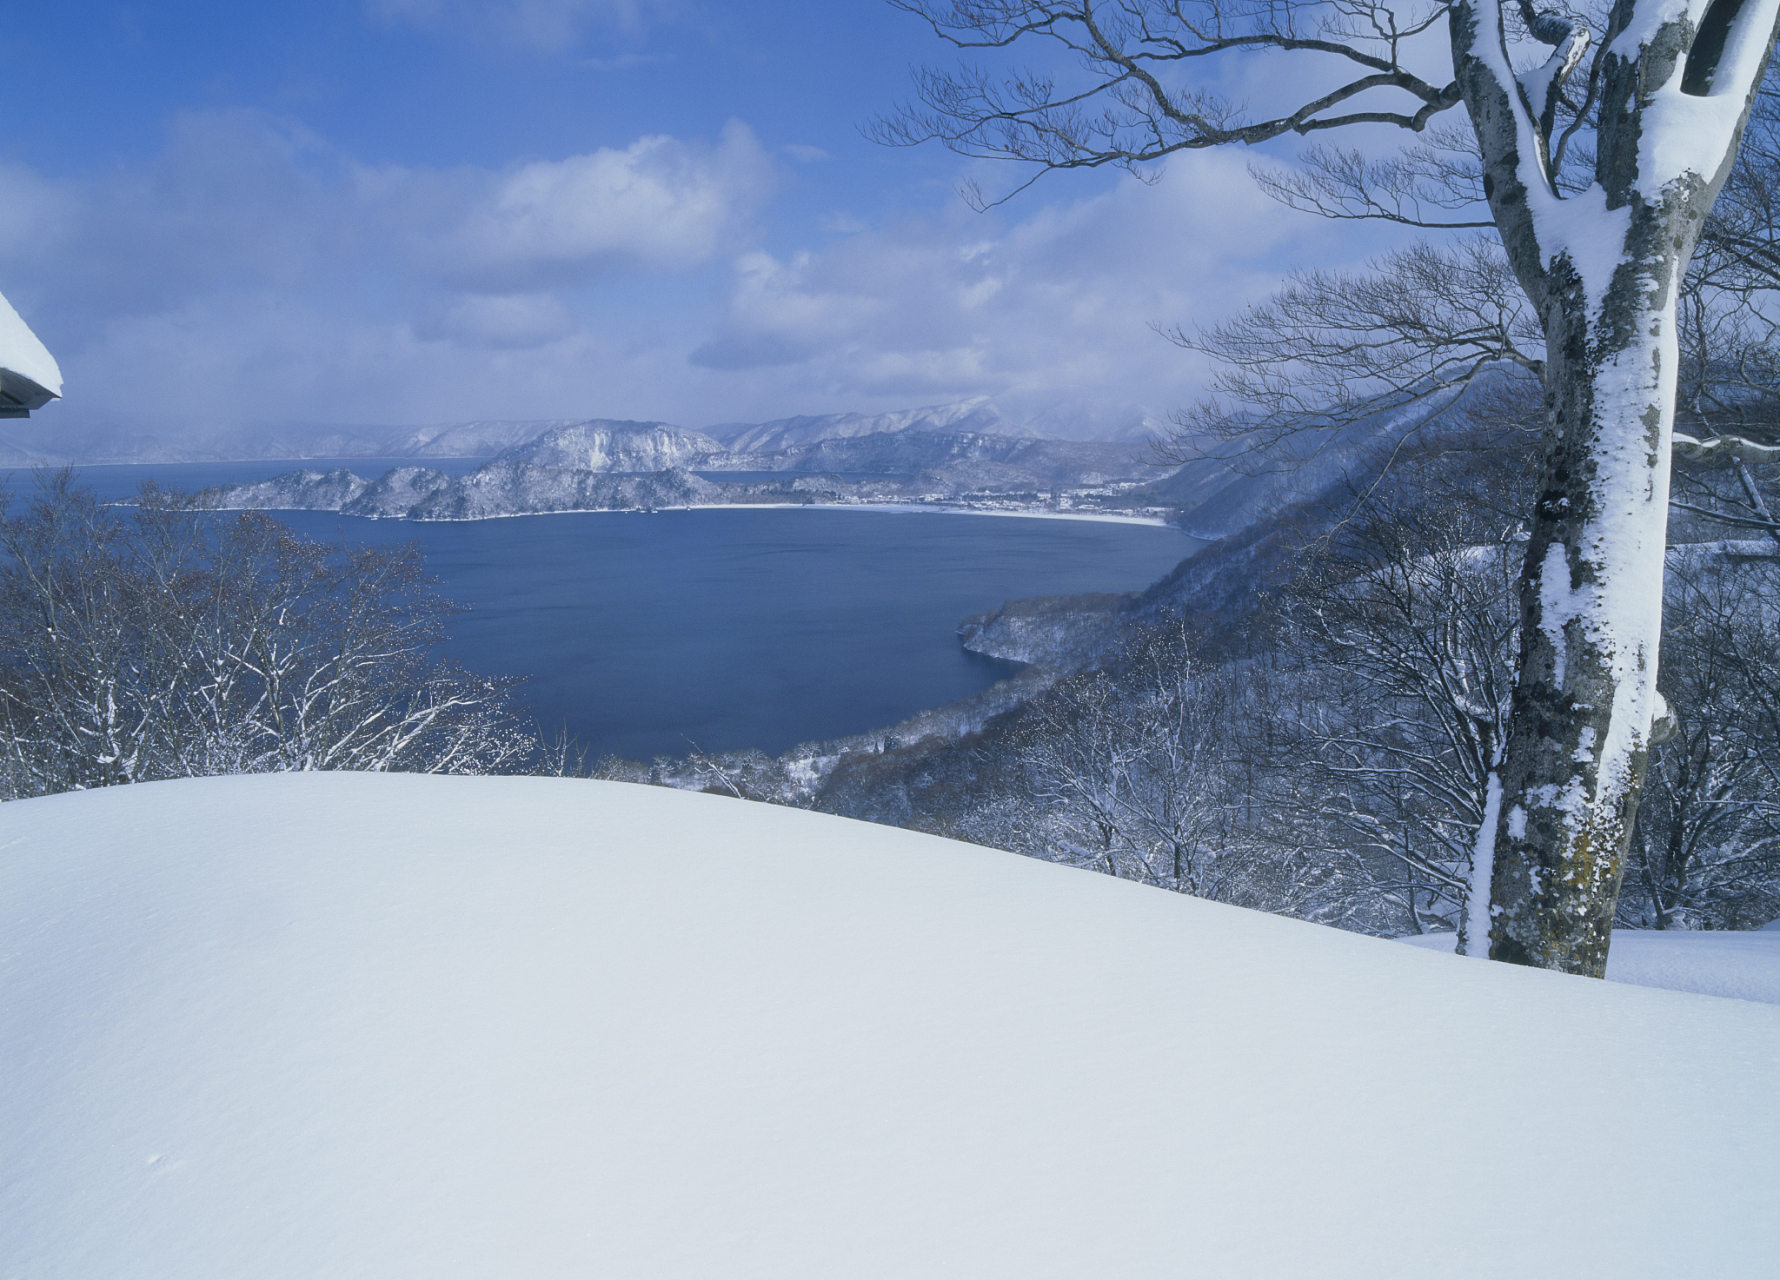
{"x":165,"y":640}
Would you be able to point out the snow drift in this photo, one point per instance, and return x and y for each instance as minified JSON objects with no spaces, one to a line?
{"x":398,"y":1026}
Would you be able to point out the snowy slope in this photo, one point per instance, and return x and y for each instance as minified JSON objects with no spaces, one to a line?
{"x":383,"y":1026}
{"x":1236,"y":482}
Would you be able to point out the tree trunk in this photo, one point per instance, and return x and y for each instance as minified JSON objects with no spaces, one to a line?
{"x":1603,"y":266}
{"x":1591,"y":611}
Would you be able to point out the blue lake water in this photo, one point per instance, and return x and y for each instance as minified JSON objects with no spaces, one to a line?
{"x":730,"y":628}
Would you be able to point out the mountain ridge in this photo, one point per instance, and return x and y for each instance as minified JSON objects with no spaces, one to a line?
{"x":67,"y":436}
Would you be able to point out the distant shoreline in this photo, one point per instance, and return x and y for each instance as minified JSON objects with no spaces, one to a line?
{"x":899,"y":508}
{"x":924,"y":508}
{"x":888,"y":506}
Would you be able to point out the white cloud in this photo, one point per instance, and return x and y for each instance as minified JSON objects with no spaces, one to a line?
{"x":659,"y":202}
{"x":1058,"y":305}
{"x":234,"y":199}
{"x":251,"y":272}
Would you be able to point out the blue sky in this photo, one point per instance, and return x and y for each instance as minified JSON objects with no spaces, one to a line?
{"x":409,"y":211}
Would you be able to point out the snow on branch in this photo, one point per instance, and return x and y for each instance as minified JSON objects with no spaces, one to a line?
{"x":1723,"y":449}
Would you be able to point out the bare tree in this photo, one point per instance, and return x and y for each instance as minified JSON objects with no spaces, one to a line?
{"x":1374,"y":720}
{"x":1137,"y":771}
{"x":1427,"y":335}
{"x":175,"y":642}
{"x":1661,"y":106}
{"x":1405,"y":629}
{"x":1706,"y":853}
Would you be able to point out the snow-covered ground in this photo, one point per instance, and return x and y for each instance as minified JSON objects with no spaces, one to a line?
{"x":1744,"y":966}
{"x":336,"y":1025}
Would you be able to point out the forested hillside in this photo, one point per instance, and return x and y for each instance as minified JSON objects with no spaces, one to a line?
{"x":1301,"y":717}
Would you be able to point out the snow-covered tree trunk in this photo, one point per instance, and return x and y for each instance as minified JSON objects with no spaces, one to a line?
{"x":1603,"y":267}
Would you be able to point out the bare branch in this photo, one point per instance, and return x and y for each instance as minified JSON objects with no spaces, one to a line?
{"x":1126,"y":110}
{"x":1440,"y":174}
{"x":1405,"y":341}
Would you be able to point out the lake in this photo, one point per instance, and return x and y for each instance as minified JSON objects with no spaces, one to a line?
{"x":721,"y":627}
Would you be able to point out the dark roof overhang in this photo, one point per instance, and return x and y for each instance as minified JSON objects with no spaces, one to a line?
{"x":19,"y":395}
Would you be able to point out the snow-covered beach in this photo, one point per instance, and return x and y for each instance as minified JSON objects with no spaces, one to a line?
{"x":389,"y":1025}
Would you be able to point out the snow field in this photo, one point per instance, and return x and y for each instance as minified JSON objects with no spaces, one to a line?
{"x":354,"y":1025}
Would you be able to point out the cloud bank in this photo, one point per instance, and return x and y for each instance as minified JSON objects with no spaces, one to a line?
{"x":251,"y":272}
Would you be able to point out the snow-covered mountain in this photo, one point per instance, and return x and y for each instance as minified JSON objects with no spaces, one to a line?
{"x":333,"y":490}
{"x":1090,"y":420}
{"x":1233,"y":485}
{"x":420,"y":1028}
{"x":604,"y":465}
{"x":69,"y":434}
{"x":506,"y":487}
{"x":976,"y":415}
{"x":503,"y":487}
{"x":1020,"y":460}
{"x":1053,"y":420}
{"x":608,"y":444}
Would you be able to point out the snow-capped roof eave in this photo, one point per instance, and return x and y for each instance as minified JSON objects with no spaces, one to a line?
{"x":29,"y":375}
